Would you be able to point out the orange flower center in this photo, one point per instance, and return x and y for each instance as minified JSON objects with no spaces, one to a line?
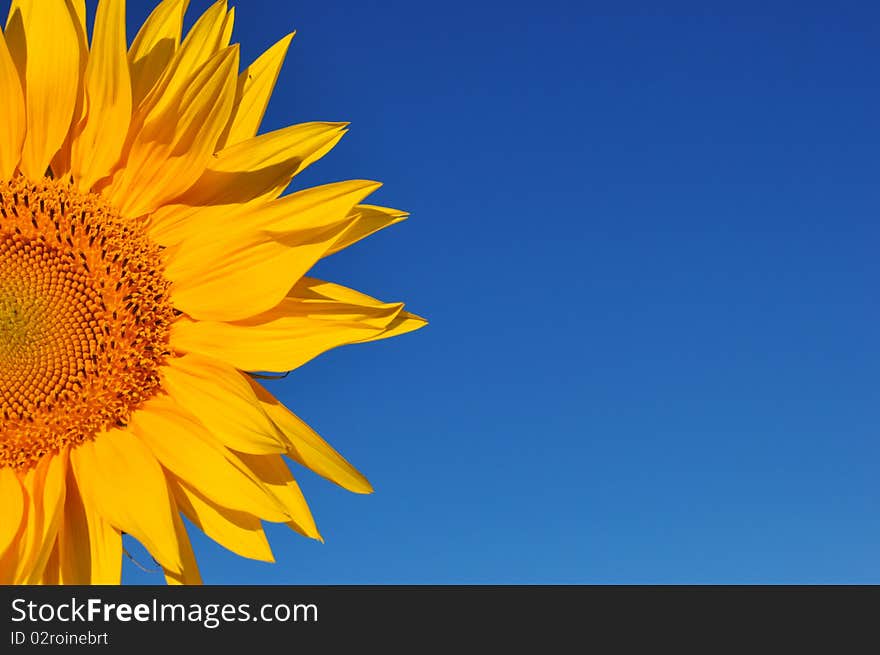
{"x":84,"y":318}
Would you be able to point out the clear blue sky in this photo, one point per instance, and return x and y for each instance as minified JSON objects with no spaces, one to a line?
{"x":646,"y":237}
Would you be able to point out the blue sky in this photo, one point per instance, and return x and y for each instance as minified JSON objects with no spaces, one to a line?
{"x":646,"y":239}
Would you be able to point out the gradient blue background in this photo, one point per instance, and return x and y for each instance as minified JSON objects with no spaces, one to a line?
{"x":645,"y":235}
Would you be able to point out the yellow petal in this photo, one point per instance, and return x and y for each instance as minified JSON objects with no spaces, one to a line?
{"x":226,"y":32}
{"x":201,"y":44}
{"x":12,"y":115}
{"x":15,"y":36}
{"x":74,"y":560}
{"x":403,"y":323}
{"x":173,"y":146}
{"x":262,"y":167}
{"x":61,"y":161}
{"x":154,"y":47}
{"x":105,"y":550}
{"x":190,"y":574}
{"x":52,"y":68}
{"x":240,"y":532}
{"x":13,"y":508}
{"x":119,"y":476}
{"x":274,"y":473}
{"x":251,"y":278}
{"x":173,"y":223}
{"x":186,"y":449}
{"x":209,"y":35}
{"x":52,"y":571}
{"x":255,"y":86}
{"x":310,"y":450}
{"x":252,"y":265}
{"x":333,"y":300}
{"x":89,"y":548}
{"x":97,"y":147}
{"x":370,"y":219}
{"x":47,"y":493}
{"x":293,"y":332}
{"x":223,"y":401}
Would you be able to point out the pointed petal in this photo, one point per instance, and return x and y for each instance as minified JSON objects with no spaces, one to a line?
{"x":370,"y":219}
{"x":119,"y":476}
{"x":226,"y":32}
{"x":105,"y":550}
{"x":97,"y":147}
{"x":223,"y":401}
{"x":294,"y":332}
{"x":173,"y":147}
{"x":186,"y":449}
{"x":173,"y":223}
{"x":155,"y":46}
{"x":15,"y":36}
{"x":190,"y":574}
{"x":239,"y":532}
{"x":310,"y":450}
{"x":252,"y":265}
{"x":262,"y":167}
{"x":255,"y":86}
{"x":274,"y":473}
{"x":201,"y":44}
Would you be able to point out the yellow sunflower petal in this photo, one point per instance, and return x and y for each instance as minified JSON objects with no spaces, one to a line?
{"x":173,"y":223}
{"x":61,"y":160}
{"x":15,"y":36}
{"x":12,"y":113}
{"x":309,"y":449}
{"x":98,"y":145}
{"x":254,"y":88}
{"x":202,"y":43}
{"x":185,"y":448}
{"x":13,"y":508}
{"x":52,"y":571}
{"x":74,"y":561}
{"x":209,"y":35}
{"x":226,"y":32}
{"x":370,"y":219}
{"x":190,"y":574}
{"x":119,"y":476}
{"x":274,"y":473}
{"x":293,"y":332}
{"x":262,"y":167}
{"x":240,"y":532}
{"x":155,"y":46}
{"x":105,"y":550}
{"x":46,"y":489}
{"x":182,"y":268}
{"x":175,"y":143}
{"x":89,"y":548}
{"x":250,"y":268}
{"x":52,"y":71}
{"x":223,"y":401}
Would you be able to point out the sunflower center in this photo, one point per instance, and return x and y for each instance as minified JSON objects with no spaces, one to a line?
{"x":84,"y":318}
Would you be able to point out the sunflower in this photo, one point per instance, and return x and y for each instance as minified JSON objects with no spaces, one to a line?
{"x":151,"y":273}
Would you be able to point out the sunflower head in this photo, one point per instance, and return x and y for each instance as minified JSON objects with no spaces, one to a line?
{"x":150,"y":264}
